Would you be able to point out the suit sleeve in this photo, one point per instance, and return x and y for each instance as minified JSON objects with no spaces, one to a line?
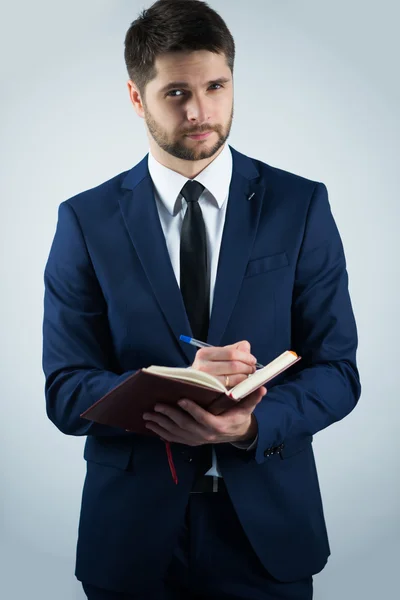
{"x":77,"y":344}
{"x":324,"y":386}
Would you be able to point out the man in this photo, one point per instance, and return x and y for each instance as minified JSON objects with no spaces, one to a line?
{"x":198,"y":239}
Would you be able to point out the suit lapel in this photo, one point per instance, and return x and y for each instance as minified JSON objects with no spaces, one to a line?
{"x":241,"y":222}
{"x":140,"y":213}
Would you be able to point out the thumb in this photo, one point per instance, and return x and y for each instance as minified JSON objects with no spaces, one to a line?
{"x":248,"y":404}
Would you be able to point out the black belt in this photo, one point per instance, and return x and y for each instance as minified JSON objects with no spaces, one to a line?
{"x":209,"y":484}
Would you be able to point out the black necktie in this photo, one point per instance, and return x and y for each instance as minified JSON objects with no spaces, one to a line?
{"x":195,"y":284}
{"x":194,"y":277}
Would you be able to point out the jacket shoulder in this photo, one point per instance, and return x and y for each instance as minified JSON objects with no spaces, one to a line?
{"x":98,"y":195}
{"x":276,"y":177}
{"x":281,"y":177}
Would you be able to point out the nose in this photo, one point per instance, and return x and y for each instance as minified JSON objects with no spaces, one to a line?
{"x":197,"y":110}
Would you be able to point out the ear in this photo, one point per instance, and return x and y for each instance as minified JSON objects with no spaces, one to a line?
{"x":135,"y":98}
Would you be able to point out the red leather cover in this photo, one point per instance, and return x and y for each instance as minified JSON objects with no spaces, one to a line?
{"x":124,"y":405}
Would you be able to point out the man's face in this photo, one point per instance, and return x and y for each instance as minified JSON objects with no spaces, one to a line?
{"x":191,"y":94}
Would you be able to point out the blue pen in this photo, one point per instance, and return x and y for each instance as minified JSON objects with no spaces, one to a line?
{"x":199,"y":344}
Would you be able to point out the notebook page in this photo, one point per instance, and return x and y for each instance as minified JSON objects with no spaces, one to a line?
{"x":263,"y":375}
{"x":189,"y":374}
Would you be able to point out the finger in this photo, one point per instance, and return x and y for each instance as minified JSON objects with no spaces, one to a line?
{"x":225,"y":353}
{"x":166,"y":436}
{"x":244,"y":346}
{"x":218,"y":368}
{"x":182,"y":419}
{"x":232,"y":381}
{"x":164,"y":422}
{"x":203,"y":417}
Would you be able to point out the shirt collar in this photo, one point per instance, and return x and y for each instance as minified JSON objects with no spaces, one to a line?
{"x":216,"y":178}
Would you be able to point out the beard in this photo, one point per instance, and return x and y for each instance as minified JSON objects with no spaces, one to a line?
{"x":177,"y":147}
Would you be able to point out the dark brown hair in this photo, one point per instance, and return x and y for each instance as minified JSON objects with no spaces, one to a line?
{"x":173,"y":26}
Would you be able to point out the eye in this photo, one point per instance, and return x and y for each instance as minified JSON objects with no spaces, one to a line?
{"x":173,"y":93}
{"x":181,"y":93}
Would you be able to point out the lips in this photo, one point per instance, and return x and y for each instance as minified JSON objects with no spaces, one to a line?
{"x":199,"y":136}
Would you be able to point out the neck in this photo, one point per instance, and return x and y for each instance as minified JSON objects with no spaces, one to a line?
{"x":187,"y":168}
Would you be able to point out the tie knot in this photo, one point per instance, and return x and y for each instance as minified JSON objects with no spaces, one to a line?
{"x":192,"y":190}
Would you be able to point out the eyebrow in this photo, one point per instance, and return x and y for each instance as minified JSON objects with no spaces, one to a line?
{"x":184,"y":84}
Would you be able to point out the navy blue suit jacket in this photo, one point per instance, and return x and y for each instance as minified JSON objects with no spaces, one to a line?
{"x":113,"y":305}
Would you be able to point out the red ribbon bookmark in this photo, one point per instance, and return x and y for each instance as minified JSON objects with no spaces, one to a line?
{"x":171,"y":462}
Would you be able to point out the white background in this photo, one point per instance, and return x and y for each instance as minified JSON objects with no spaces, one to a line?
{"x":316,"y":93}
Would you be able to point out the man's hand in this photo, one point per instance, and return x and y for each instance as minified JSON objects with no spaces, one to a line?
{"x":195,"y":426}
{"x":234,"y":361}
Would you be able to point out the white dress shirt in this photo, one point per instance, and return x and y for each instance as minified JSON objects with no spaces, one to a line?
{"x":171,"y":206}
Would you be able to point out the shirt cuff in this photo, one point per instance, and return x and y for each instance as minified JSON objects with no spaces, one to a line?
{"x":246,"y":445}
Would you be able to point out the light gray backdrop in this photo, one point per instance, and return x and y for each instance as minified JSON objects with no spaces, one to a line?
{"x":317,"y":93}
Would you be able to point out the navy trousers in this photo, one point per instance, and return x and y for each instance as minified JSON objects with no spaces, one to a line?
{"x":213,"y":561}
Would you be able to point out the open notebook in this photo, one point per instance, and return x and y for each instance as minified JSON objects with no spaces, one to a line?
{"x":124,"y":405}
{"x":253,"y":382}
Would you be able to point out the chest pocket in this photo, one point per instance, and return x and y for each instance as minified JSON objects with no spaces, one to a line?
{"x":266,"y":263}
